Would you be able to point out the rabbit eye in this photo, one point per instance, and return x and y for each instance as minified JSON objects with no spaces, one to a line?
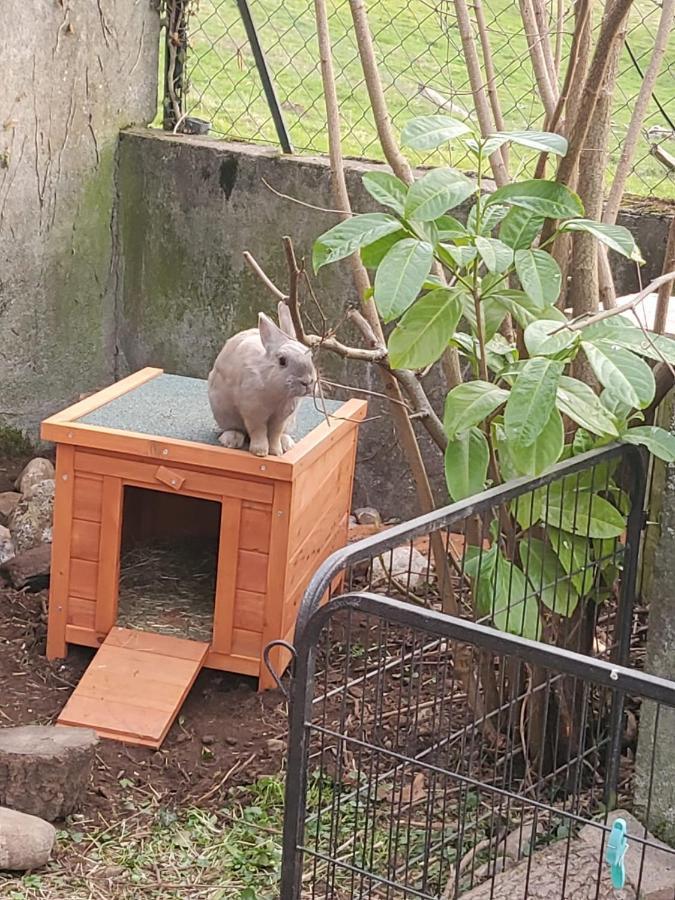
{"x":282,"y":361}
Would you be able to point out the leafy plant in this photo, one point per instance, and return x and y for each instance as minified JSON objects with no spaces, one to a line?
{"x":485,"y":284}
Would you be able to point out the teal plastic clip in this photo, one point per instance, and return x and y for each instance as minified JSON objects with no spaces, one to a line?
{"x":616,"y":853}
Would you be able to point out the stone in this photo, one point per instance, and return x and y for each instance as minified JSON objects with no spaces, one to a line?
{"x":29,"y":570}
{"x":405,"y":564}
{"x":367,"y":516}
{"x":653,"y":870}
{"x":8,"y":502}
{"x":538,"y":877}
{"x":31,"y":522}
{"x":26,"y":841}
{"x":45,"y":769}
{"x":6,"y":545}
{"x":37,"y":470}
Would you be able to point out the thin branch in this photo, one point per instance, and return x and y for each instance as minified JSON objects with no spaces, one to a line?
{"x":488,"y":63}
{"x":546,"y":89}
{"x":664,"y":292}
{"x":584,"y":321}
{"x":541,"y":15}
{"x":630,"y":142}
{"x":257,"y":270}
{"x":340,"y":212}
{"x":483,"y":112}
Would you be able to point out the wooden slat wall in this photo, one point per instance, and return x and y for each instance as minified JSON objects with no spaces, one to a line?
{"x":84,"y":554}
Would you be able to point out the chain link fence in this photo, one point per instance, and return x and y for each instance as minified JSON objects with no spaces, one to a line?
{"x":421,"y":63}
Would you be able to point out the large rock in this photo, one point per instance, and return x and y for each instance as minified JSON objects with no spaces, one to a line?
{"x":8,"y":502}
{"x":31,"y":522}
{"x":45,"y":769}
{"x":29,"y":570}
{"x":25,"y":841}
{"x":37,"y":470}
{"x":407,"y":567}
{"x":6,"y":545}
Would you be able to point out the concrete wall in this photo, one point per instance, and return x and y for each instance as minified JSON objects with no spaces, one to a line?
{"x":73,"y":75}
{"x":189,"y":208}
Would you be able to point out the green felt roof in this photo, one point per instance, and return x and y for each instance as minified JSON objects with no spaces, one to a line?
{"x":173,"y":406}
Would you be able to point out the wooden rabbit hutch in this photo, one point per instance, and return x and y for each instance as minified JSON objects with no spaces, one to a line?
{"x":139,"y":464}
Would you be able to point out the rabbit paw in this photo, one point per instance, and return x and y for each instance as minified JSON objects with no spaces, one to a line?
{"x":234,"y":440}
{"x":259,"y":448}
{"x":287,"y":442}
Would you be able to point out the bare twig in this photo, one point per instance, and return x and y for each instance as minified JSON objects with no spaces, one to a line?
{"x":546,"y":90}
{"x":664,"y":292}
{"x":340,"y":212}
{"x":256,"y":269}
{"x":488,"y":63}
{"x":584,"y":321}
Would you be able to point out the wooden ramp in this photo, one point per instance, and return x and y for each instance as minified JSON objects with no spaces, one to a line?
{"x":135,"y":686}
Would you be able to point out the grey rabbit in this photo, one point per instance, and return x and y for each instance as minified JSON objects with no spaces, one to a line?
{"x":256,"y":383}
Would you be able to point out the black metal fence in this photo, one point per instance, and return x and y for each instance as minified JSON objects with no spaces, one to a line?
{"x":250,"y":68}
{"x":429,"y":751}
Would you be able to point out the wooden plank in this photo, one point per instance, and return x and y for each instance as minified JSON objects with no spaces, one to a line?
{"x":148,"y":642}
{"x":246,"y":643}
{"x":171,"y":450}
{"x":60,"y":564}
{"x":85,"y":539}
{"x":84,"y":637}
{"x":226,"y":580}
{"x":240,"y":664}
{"x":249,"y":611}
{"x":107,"y":586}
{"x":256,"y":525}
{"x":83,"y":579}
{"x":88,"y":495}
{"x":81,"y":612}
{"x":276,"y":577}
{"x":318,"y":491}
{"x":315,"y":444}
{"x":252,"y":571}
{"x":135,"y":686}
{"x":100,"y":398}
{"x":205,"y":483}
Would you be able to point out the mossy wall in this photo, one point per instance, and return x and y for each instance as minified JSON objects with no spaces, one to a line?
{"x":73,"y":75}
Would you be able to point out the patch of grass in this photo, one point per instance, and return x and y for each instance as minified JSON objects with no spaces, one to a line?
{"x":417,"y":44}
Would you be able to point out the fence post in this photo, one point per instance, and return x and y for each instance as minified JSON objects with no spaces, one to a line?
{"x":265,"y":77}
{"x":176,"y":41}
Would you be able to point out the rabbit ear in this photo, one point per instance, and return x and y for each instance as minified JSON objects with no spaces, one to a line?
{"x":272,"y":337}
{"x":285,"y":320}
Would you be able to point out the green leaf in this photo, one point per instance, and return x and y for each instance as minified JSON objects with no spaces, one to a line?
{"x":531,"y":400}
{"x":545,"y":198}
{"x":468,"y":404}
{"x":546,"y":338}
{"x":524,"y":310}
{"x":436,"y":192}
{"x":496,"y":255}
{"x":400,"y":276}
{"x":456,"y":257}
{"x":387,"y":189}
{"x":576,"y":558}
{"x":479,"y":562}
{"x":548,"y":578}
{"x":512,"y":606}
{"x":520,"y":227}
{"x":578,"y":401}
{"x":429,"y":132}
{"x":545,"y":452}
{"x":349,"y":236}
{"x":542,"y":141}
{"x":492,"y":315}
{"x":449,"y":228}
{"x":425,"y":330}
{"x":660,"y":443}
{"x":581,"y":512}
{"x":616,"y":237}
{"x":373,"y":254}
{"x":490,"y":218}
{"x":540,"y":276}
{"x":466,"y":464}
{"x":624,"y":374}
{"x":617,"y":331}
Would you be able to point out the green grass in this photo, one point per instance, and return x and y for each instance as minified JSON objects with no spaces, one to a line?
{"x":416,"y":44}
